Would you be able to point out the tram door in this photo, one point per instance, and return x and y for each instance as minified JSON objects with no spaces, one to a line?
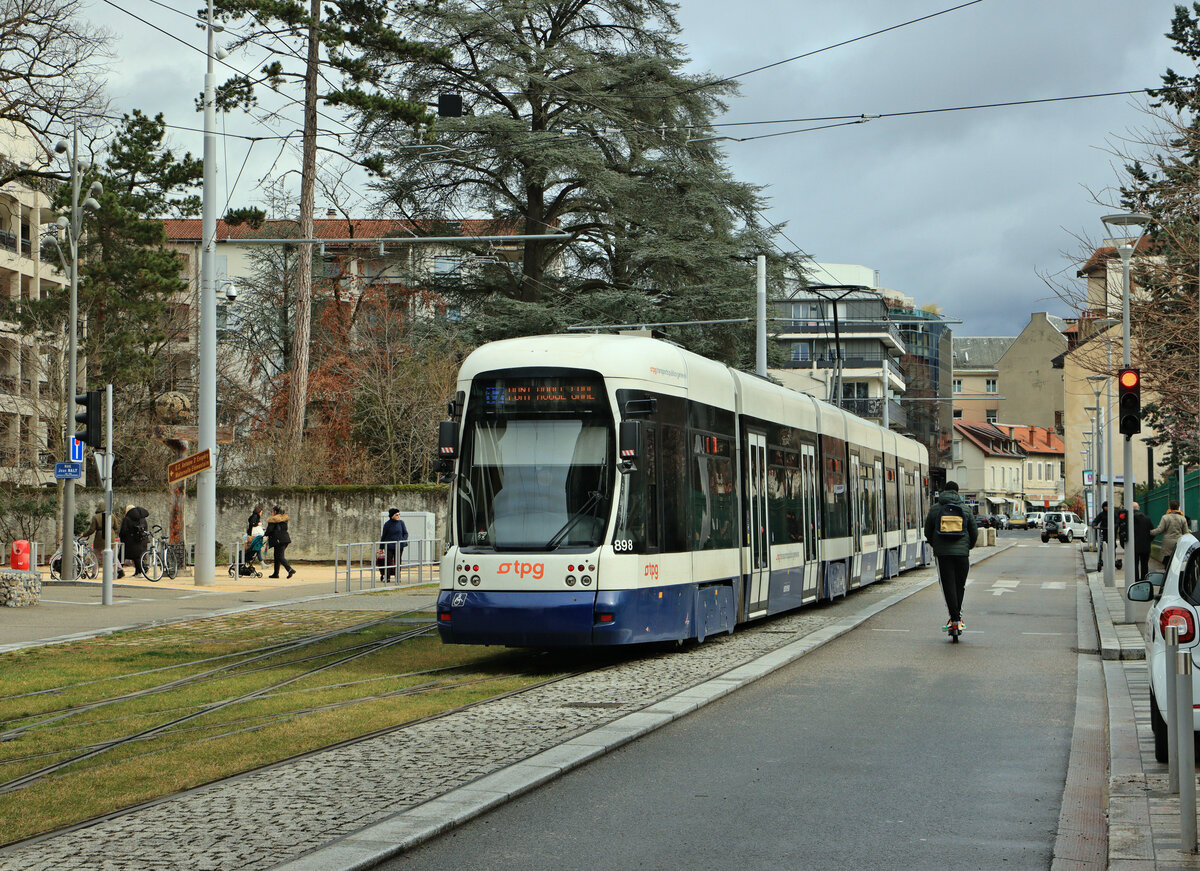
{"x":855,"y":519}
{"x":757,"y":568}
{"x":812,"y":520}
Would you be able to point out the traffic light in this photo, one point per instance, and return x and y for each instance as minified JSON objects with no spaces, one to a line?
{"x":90,"y":418}
{"x":1129,"y":401}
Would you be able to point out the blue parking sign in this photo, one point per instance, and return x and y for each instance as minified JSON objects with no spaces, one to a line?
{"x":76,"y":451}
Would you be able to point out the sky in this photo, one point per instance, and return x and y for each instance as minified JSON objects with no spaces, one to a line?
{"x":970,"y":210}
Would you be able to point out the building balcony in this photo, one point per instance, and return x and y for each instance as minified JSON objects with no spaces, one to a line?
{"x":11,"y":243}
{"x":860,"y":361}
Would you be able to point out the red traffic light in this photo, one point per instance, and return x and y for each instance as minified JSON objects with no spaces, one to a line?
{"x":1129,"y":378}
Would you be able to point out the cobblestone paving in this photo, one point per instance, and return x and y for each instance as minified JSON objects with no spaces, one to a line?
{"x":261,"y":819}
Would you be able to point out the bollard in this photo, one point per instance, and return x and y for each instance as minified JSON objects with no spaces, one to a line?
{"x":1187,"y":755}
{"x":1170,"y":709}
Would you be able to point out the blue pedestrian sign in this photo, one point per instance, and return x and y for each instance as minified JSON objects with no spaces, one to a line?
{"x":76,"y":452}
{"x":68,"y":470}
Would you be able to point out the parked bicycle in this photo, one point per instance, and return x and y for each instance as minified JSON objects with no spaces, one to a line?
{"x":160,"y":558}
{"x":86,"y":564}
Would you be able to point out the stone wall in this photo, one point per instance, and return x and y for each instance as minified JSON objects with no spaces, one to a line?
{"x":18,"y":589}
{"x":320,"y":517}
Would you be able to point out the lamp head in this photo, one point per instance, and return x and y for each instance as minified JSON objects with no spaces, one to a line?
{"x":91,"y":205}
{"x":60,"y":147}
{"x":62,"y":222}
{"x":96,"y":189}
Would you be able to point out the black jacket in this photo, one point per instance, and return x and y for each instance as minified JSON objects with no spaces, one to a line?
{"x":277,"y":531}
{"x":1142,"y":527}
{"x":252,"y":521}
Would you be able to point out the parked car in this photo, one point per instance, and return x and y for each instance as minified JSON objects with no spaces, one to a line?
{"x":1000,"y":521}
{"x":1018,"y":521}
{"x":1033,"y":520}
{"x":1178,"y":603}
{"x":1069,"y":524}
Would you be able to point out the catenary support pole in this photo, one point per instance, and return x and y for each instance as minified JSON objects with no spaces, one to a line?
{"x":1126,"y":251}
{"x":761,"y":331}
{"x":206,"y":483}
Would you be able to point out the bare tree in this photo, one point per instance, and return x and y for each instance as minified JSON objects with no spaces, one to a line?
{"x":52,"y":64}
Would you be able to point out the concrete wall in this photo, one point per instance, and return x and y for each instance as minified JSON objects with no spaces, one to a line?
{"x":319,"y":517}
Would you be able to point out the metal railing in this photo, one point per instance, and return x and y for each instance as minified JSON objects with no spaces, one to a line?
{"x":357,"y":562}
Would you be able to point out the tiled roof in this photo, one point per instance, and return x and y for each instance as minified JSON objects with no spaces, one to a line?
{"x":333,"y":229}
{"x":1035,"y":439}
{"x":1101,"y":255}
{"x":989,"y":438}
{"x":980,"y":352}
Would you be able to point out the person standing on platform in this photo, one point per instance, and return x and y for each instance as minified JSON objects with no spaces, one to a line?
{"x":951,"y":530}
{"x":394,"y":536}
{"x":278,"y":538}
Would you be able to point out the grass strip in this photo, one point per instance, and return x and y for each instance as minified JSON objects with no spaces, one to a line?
{"x":376,"y":689}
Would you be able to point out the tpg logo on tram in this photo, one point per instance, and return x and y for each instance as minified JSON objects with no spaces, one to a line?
{"x":534,"y":570}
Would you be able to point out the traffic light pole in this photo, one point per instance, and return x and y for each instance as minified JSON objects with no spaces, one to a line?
{"x":1126,"y":252}
{"x":67,"y":560}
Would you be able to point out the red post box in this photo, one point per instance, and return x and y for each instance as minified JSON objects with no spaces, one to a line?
{"x":19,"y":559}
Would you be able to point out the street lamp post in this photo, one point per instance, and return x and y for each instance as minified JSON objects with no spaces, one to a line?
{"x":74,"y":230}
{"x":1138,"y":220}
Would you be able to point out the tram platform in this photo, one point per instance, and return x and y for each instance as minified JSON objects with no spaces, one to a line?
{"x":353,"y":806}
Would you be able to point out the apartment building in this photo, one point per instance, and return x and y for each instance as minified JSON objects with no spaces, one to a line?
{"x":31,"y":409}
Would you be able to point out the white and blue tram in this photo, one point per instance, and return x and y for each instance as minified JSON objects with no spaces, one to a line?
{"x":618,"y":490}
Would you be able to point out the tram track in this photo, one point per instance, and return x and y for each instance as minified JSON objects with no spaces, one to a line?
{"x":251,"y":656}
{"x":205,"y":709}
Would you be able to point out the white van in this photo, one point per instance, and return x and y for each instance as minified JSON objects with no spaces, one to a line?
{"x":1033,"y":520}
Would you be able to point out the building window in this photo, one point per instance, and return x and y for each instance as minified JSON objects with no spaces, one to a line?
{"x":1029,"y":470}
{"x":958,"y":385}
{"x":801,"y":351}
{"x":957,"y":452}
{"x":957,"y":413}
{"x":991,"y":386}
{"x":991,"y":415}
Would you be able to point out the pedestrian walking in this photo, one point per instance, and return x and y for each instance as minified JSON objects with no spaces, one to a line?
{"x":255,"y":519}
{"x":278,"y":539}
{"x":394,"y":537}
{"x":95,"y":529}
{"x":135,"y":535}
{"x":1143,"y":528}
{"x":950,"y":530}
{"x":1171,"y":527}
{"x":1100,"y":524}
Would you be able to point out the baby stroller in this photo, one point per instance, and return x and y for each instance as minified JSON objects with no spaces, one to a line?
{"x":251,"y":556}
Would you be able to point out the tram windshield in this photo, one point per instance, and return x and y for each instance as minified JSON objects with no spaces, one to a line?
{"x":536,"y":469}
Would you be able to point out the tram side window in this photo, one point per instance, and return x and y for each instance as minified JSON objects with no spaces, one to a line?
{"x":673,"y":469}
{"x":866,"y":499}
{"x":712,"y":512}
{"x":783,"y":497}
{"x":837,"y":505}
{"x":637,"y":514}
{"x":891,"y":499}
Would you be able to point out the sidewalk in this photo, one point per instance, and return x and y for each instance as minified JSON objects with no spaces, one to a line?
{"x":1143,"y":818}
{"x":71,"y":611}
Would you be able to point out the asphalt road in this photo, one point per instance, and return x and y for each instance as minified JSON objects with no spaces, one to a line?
{"x":888,"y":748}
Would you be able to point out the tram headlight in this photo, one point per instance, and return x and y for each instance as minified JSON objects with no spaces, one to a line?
{"x":570,"y":580}
{"x":474,"y":580}
{"x":586,"y":580}
{"x":462,"y":580}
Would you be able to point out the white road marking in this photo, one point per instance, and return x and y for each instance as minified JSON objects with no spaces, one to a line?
{"x":1041,"y":633}
{"x":1054,"y":585}
{"x":891,"y":630}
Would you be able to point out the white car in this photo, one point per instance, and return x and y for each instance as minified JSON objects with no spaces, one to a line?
{"x":1070,"y":526}
{"x":1178,"y":604}
{"x":1033,"y":520}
